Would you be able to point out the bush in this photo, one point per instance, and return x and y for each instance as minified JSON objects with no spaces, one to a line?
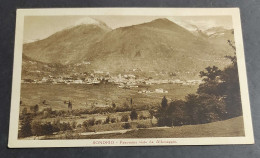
{"x":98,"y":122}
{"x":133,"y":115}
{"x":126,"y":125}
{"x":113,"y":105}
{"x":113,"y":120}
{"x":71,"y":135}
{"x":164,"y":121}
{"x":39,"y":128}
{"x":141,"y":126}
{"x":24,"y":111}
{"x":88,"y":123}
{"x":34,"y":108}
{"x":36,"y":128}
{"x":47,"y":129}
{"x":91,"y":122}
{"x":107,"y":120}
{"x":79,"y":126}
{"x":142,"y":117}
{"x":26,"y":128}
{"x":56,"y":125}
{"x":65,"y":126}
{"x":124,"y":118}
{"x":74,"y":124}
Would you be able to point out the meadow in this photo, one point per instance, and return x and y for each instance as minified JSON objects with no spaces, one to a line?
{"x":89,"y":96}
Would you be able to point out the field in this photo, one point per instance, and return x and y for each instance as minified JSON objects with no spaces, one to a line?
{"x":87,"y":96}
{"x":227,"y":128}
{"x":90,"y":96}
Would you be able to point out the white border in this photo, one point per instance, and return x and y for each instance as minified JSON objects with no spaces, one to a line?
{"x":14,"y":116}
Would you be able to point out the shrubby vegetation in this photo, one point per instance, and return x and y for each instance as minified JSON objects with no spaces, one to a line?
{"x":141,"y":126}
{"x":113,"y":120}
{"x":126,"y":125}
{"x":133,"y":115}
{"x":86,"y":124}
{"x":31,"y":127}
{"x":26,"y":127}
{"x":217,"y":98}
{"x":124,"y":118}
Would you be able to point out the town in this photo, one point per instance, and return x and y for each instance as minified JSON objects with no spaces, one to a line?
{"x":100,"y":77}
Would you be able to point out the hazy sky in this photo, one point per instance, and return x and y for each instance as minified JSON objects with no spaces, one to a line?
{"x":39,"y":27}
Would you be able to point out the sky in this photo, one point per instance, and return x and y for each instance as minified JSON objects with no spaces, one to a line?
{"x":40,"y":27}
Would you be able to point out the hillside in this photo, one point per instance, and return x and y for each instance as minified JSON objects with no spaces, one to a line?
{"x":159,"y":45}
{"x":67,"y":46}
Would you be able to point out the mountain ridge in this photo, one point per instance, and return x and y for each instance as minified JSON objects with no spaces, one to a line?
{"x":153,"y":46}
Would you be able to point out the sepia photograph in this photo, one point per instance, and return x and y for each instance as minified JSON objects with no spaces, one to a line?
{"x":129,"y":77}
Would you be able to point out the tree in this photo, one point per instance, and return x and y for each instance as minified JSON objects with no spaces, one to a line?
{"x":56,"y":125}
{"x":126,"y":125}
{"x":131,"y":101}
{"x":74,"y":124}
{"x":113,"y":120}
{"x":26,"y":128}
{"x":152,"y":113}
{"x":65,"y":126}
{"x":230,"y":87}
{"x":24,"y":111}
{"x":91,"y":122}
{"x":107,"y":120}
{"x":192,"y":107}
{"x":177,"y":113}
{"x":217,"y":98}
{"x":133,"y":115}
{"x":210,"y":74}
{"x":124,"y":118}
{"x":210,"y":108}
{"x":211,"y":78}
{"x":164,"y":102}
{"x":113,"y":105}
{"x":225,"y":85}
{"x":47,"y":128}
{"x":34,"y":108}
{"x":69,"y":105}
{"x":36,"y":128}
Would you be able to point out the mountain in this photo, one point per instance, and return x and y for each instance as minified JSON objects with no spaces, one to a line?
{"x":187,"y":25}
{"x":66,"y":46}
{"x":159,"y":45}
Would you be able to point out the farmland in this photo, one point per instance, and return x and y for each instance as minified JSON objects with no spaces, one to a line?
{"x":87,"y":96}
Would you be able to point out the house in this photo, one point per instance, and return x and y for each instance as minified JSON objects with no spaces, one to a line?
{"x":78,"y":81}
{"x":160,"y":90}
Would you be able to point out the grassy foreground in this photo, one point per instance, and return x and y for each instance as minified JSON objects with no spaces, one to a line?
{"x":228,"y":128}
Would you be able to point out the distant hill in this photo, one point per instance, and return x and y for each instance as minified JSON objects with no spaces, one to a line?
{"x":159,"y":45}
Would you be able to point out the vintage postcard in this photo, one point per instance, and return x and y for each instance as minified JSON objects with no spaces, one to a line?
{"x":129,"y":77}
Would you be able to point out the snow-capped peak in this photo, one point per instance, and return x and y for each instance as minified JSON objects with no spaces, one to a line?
{"x":186,"y":25}
{"x":87,"y":21}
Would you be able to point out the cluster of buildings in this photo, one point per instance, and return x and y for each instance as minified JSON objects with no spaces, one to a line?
{"x":98,"y":77}
{"x":159,"y":90}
